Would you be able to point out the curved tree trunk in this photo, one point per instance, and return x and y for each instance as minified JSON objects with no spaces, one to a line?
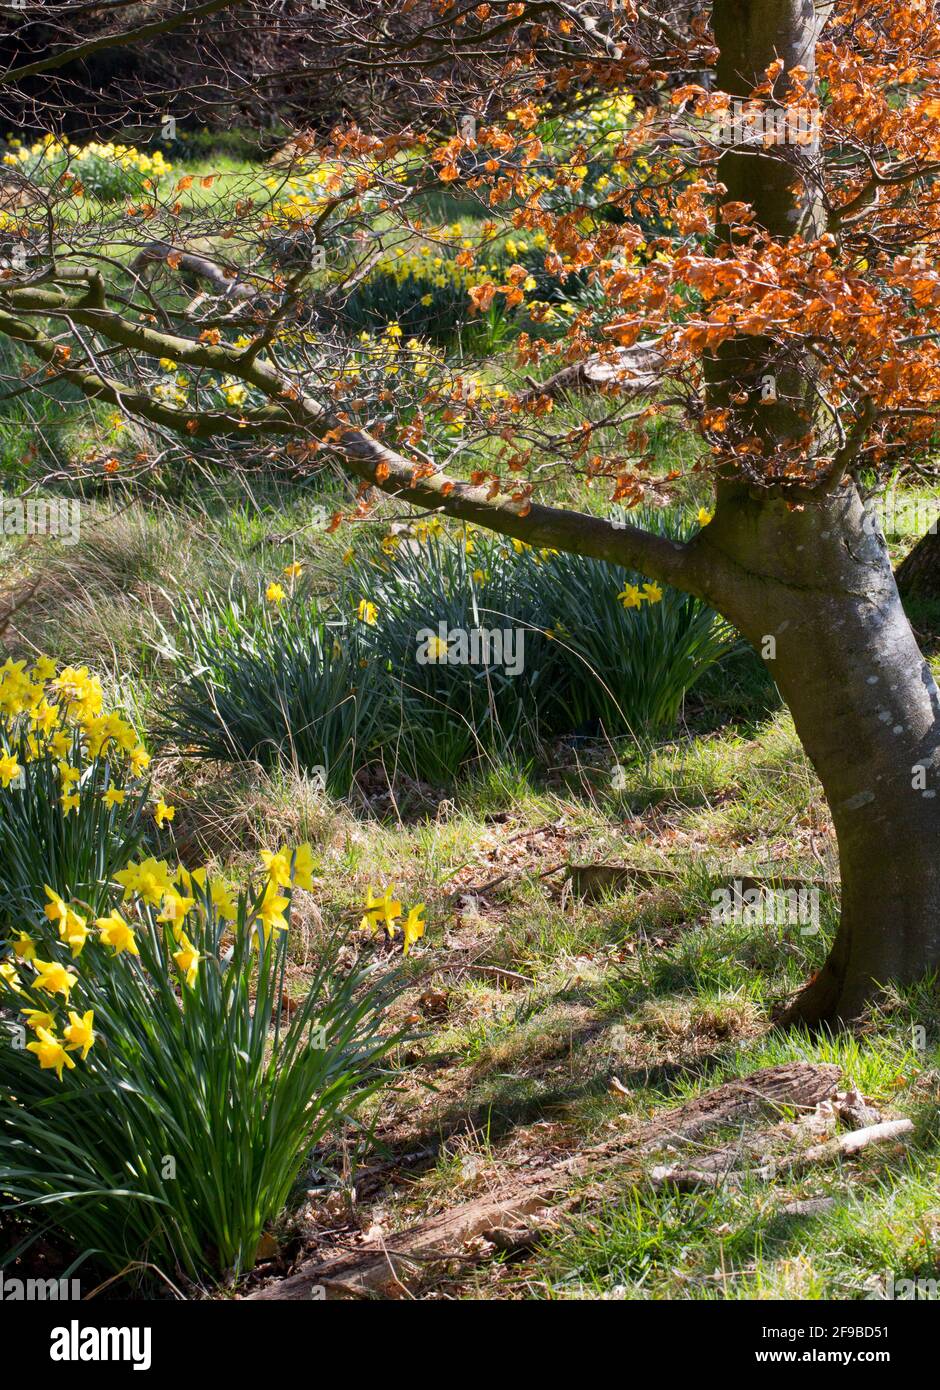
{"x":813,"y":590}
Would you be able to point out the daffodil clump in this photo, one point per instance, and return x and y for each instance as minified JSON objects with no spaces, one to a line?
{"x":163,"y":1080}
{"x":73,"y":784}
{"x":105,"y":169}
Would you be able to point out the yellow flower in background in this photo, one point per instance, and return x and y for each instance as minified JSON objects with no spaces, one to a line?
{"x":187,"y":958}
{"x":39,"y":1018}
{"x":367,"y":612}
{"x":116,"y":933}
{"x":8,"y":973}
{"x":70,"y":802}
{"x":9,"y":769}
{"x":294,"y":570}
{"x":53,"y":978}
{"x":653,"y":593}
{"x":303,"y":867}
{"x":437,"y":649}
{"x":44,"y":669}
{"x":277,"y":866}
{"x":114,"y":796}
{"x":271,"y":911}
{"x":381,"y":911}
{"x":52,"y":1055}
{"x":176,"y":909}
{"x":413,"y":927}
{"x":275,"y":593}
{"x":162,"y":812}
{"x":139,"y":759}
{"x":151,"y":878}
{"x":24,"y":947}
{"x":631,"y":597}
{"x":80,"y":1033}
{"x":704,"y":517}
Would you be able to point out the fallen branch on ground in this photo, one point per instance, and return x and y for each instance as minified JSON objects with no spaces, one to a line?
{"x":524,"y":1199}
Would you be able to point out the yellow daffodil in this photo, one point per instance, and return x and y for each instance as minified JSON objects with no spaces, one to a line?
{"x":162,"y":812}
{"x":39,"y":1018}
{"x":9,"y":769}
{"x":80,"y":1033}
{"x":187,"y":958}
{"x":116,"y":933}
{"x":381,"y":911}
{"x":24,"y":947}
{"x":53,"y":978}
{"x":52,"y":1055}
{"x":413,"y":927}
{"x":275,"y":593}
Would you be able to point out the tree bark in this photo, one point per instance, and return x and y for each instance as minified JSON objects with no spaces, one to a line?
{"x":918,"y":574}
{"x":813,"y":590}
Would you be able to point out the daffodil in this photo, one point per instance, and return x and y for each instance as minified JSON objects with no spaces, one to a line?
{"x":653,"y":593}
{"x":39,"y":1018}
{"x":275,"y":593}
{"x":53,"y":978}
{"x":9,"y":769}
{"x":367,"y":612}
{"x":187,"y":958}
{"x":413,"y":927}
{"x":381,"y":911}
{"x":704,"y":517}
{"x":116,"y":933}
{"x":80,"y":1033}
{"x":162,"y":812}
{"x":114,"y":796}
{"x":9,"y":975}
{"x":631,"y":597}
{"x":24,"y":947}
{"x":52,"y":1055}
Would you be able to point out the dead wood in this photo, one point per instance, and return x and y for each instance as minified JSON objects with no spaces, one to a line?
{"x":627,"y":371}
{"x":523,"y":1199}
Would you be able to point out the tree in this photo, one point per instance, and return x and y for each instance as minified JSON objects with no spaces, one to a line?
{"x":772,"y":236}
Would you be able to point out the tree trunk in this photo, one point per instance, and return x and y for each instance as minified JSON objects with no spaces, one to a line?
{"x":813,"y":590}
{"x":918,"y":574}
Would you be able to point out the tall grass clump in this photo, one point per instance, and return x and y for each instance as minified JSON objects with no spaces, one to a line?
{"x":271,"y":686}
{"x":442,"y":647}
{"x":160,"y":1102}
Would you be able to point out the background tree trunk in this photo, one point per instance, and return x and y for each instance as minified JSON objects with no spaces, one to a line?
{"x":918,"y":574}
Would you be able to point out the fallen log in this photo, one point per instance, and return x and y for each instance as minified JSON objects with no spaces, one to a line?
{"x":526,"y":1199}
